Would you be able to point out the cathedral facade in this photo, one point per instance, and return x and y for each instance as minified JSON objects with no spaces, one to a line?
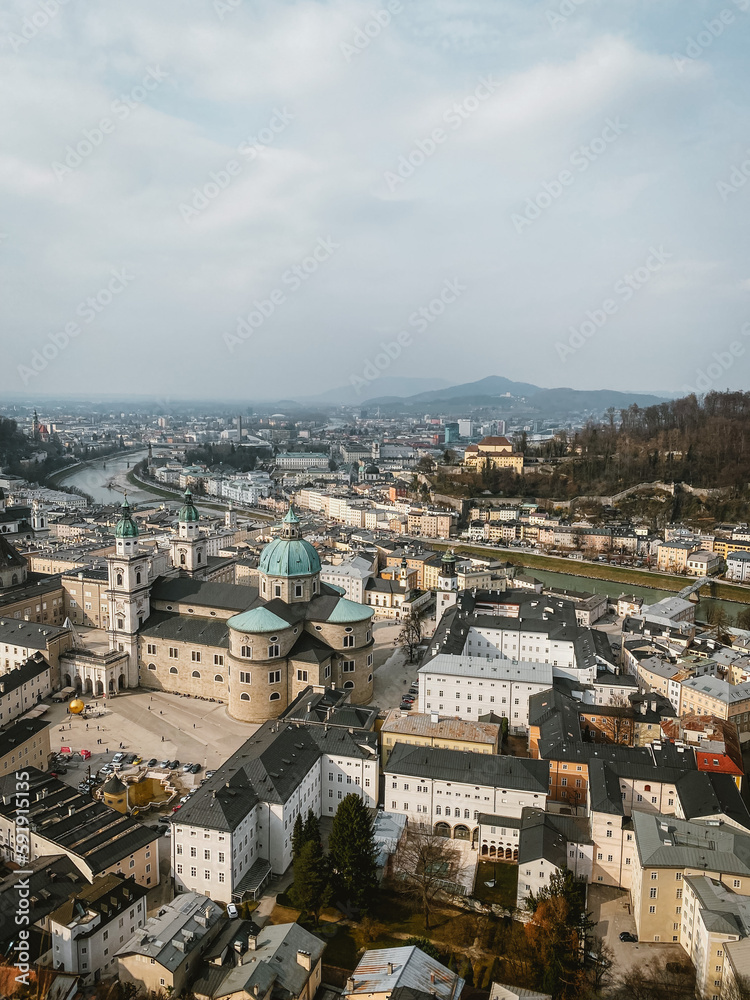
{"x":253,"y":648}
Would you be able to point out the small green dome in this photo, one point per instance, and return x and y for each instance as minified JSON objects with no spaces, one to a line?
{"x":189,"y":512}
{"x":257,"y":620}
{"x":126,"y":526}
{"x":289,"y":557}
{"x":347,"y":611}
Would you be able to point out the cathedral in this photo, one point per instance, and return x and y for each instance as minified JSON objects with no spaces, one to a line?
{"x":254,"y":648}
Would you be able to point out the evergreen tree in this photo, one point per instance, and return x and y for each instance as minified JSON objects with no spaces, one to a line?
{"x":311,"y":891}
{"x":311,"y":828}
{"x":353,"y":854}
{"x":298,"y":837}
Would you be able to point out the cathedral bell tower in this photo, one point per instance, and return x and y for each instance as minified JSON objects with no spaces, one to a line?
{"x":189,"y":547}
{"x":128,"y":592}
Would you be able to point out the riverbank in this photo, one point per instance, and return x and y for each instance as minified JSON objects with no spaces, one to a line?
{"x":624,"y":576}
{"x":176,"y":494}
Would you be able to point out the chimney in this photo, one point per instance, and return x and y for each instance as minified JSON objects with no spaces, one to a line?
{"x":252,"y":942}
{"x":432,"y":977}
{"x":349,"y":986}
{"x":304,"y":959}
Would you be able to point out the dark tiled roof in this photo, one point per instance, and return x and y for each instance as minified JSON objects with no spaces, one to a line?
{"x":18,"y":733}
{"x":28,"y":634}
{"x":185,"y":590}
{"x":9,"y":557}
{"x":54,"y":879}
{"x":519,"y":773}
{"x":90,"y":830}
{"x":268,"y":768}
{"x":186,"y":628}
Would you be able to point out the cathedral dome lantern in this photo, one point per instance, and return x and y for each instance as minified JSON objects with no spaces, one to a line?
{"x":188,"y":511}
{"x":289,"y":565}
{"x":126,"y":531}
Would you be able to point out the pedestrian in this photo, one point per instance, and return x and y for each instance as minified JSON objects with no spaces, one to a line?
{"x":162,"y":739}
{"x":193,"y":725}
{"x":107,"y":750}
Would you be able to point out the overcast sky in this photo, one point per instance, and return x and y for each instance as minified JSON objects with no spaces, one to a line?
{"x":340,"y":165}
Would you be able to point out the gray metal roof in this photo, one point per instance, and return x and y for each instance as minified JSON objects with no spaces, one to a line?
{"x":385,"y":969}
{"x":178,"y":929}
{"x":669,"y":842}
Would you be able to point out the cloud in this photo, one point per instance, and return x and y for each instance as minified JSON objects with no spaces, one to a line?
{"x":324,"y":175}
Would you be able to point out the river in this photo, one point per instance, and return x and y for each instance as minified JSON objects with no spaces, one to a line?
{"x":96,"y":478}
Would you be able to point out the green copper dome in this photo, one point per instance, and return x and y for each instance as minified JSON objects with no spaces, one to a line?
{"x":289,"y":557}
{"x":188,"y":512}
{"x":126,"y":526}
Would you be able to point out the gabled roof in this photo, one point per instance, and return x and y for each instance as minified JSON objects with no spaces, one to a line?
{"x":519,"y":773}
{"x":9,"y":557}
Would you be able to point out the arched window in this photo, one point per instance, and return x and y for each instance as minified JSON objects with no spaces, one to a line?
{"x":349,"y":685}
{"x":275,"y":696}
{"x":244,"y":696}
{"x":173,"y":670}
{"x":247,"y":651}
{"x":182,"y":559}
{"x":196,"y":673}
{"x":199,"y":557}
{"x":466,"y":814}
{"x":218,"y":678}
{"x":438,"y":810}
{"x":119,"y":579}
{"x":447,"y":810}
{"x":14,"y":579}
{"x":647,"y":788}
{"x":152,"y":666}
{"x":137,"y":577}
{"x":369,"y":678}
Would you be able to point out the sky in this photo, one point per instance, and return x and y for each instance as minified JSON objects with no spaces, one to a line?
{"x":270,"y":198}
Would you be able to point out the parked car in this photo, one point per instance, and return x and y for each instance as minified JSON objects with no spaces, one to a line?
{"x":210,"y":774}
{"x":186,"y":767}
{"x":137,"y":759}
{"x":195,"y":768}
{"x":118,"y":757}
{"x":627,"y":936}
{"x":152,"y":763}
{"x":132,"y":758}
{"x":173,"y":765}
{"x":164,"y":764}
{"x":406,"y":706}
{"x":232,"y":910}
{"x":408,"y":697}
{"x":414,"y":690}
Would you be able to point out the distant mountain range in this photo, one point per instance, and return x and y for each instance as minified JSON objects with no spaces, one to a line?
{"x":494,"y":391}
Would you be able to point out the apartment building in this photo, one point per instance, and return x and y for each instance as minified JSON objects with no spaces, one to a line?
{"x":712,"y":916}
{"x":88,"y":928}
{"x":708,"y":695}
{"x":22,"y":640}
{"x":470,"y":687}
{"x":419,"y":729}
{"x":23,"y":687}
{"x":237,"y":827}
{"x":667,"y":850}
{"x":672,"y":557}
{"x":85,"y":596}
{"x":24,"y":744}
{"x":61,"y":820}
{"x":548,"y":844}
{"x":446,"y":790}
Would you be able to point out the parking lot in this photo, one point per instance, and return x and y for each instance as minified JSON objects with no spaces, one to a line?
{"x":151,"y":725}
{"x":611,"y":912}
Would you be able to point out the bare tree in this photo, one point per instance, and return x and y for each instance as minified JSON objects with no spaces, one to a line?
{"x":424,"y":866}
{"x":656,"y":980}
{"x":735,"y":987}
{"x":410,"y":635}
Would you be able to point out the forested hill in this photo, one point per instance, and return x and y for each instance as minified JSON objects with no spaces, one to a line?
{"x":702,"y":442}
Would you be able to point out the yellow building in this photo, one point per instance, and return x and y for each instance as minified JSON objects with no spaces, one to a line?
{"x":431,"y":731}
{"x":496,"y":453}
{"x":24,"y":744}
